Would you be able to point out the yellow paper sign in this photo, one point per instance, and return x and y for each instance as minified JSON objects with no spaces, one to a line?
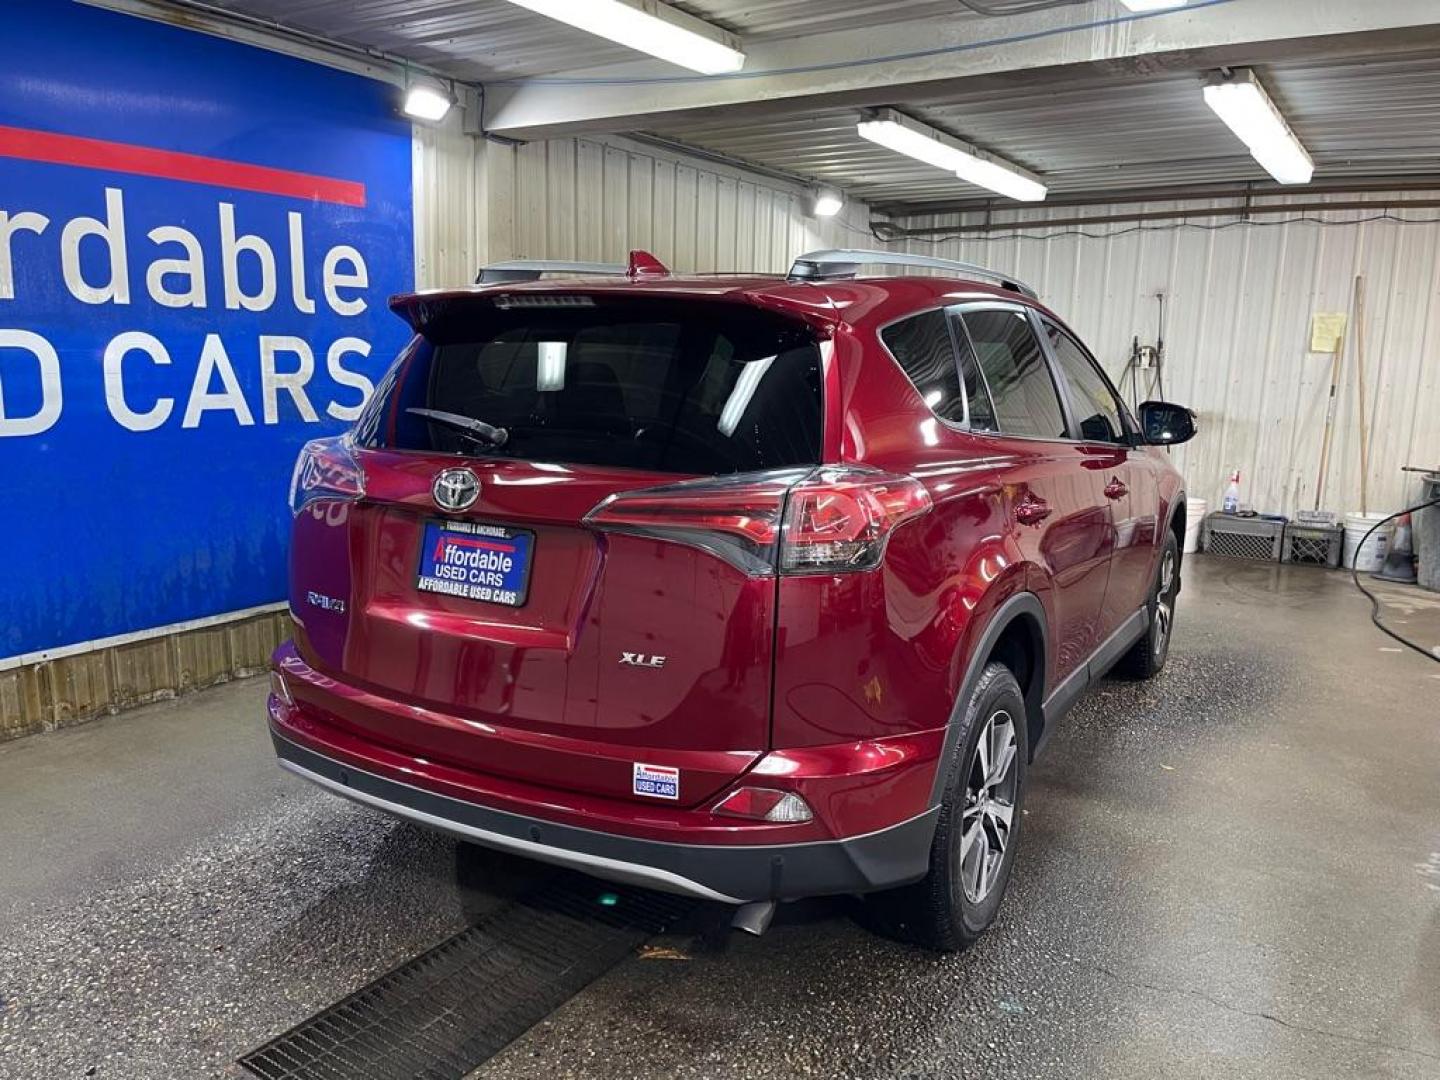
{"x":1326,"y":330}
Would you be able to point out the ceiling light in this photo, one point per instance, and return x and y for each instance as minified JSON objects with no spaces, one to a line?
{"x":898,"y":132}
{"x":827,"y":202}
{"x":650,"y":27}
{"x":427,"y":100}
{"x":1153,"y":5}
{"x":1247,"y":110}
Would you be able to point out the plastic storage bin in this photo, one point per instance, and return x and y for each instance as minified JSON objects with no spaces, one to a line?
{"x":1234,"y":537}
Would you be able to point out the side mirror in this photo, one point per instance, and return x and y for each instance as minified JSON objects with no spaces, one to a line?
{"x":1164,"y":424}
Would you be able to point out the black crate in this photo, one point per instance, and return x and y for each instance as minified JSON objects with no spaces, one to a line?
{"x":1314,"y":545}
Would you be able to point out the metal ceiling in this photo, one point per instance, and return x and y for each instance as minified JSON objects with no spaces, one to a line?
{"x":483,"y":40}
{"x":1100,"y":132}
{"x":1368,"y":119}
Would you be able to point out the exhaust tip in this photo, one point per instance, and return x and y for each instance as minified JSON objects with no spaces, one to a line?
{"x":754,"y":918}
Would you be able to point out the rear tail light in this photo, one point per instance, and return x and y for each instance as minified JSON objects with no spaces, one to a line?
{"x":737,"y":518}
{"x":279,"y":689}
{"x":764,"y":804}
{"x":822,"y":521}
{"x":326,"y":469}
{"x":839,"y":519}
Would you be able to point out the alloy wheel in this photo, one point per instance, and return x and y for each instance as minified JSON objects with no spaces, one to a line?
{"x":989,"y":811}
{"x":1164,"y":604}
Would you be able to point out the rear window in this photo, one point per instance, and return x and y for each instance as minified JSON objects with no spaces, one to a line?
{"x":658,"y":384}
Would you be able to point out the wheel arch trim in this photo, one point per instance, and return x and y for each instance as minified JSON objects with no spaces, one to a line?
{"x":1020,"y":605}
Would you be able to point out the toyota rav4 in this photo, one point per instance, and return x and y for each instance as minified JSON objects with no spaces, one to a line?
{"x":749,"y":588}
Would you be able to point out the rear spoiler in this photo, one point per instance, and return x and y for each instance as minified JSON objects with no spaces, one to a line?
{"x":641,"y":265}
{"x":420,"y":309}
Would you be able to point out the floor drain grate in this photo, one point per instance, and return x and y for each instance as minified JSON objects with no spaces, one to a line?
{"x":442,"y":1014}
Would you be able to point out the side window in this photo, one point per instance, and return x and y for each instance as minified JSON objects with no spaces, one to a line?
{"x":922,"y":345}
{"x":1024,"y":395}
{"x":982,"y":410}
{"x":1097,"y":411}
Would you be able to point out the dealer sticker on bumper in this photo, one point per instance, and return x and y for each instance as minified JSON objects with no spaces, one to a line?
{"x":656,"y":781}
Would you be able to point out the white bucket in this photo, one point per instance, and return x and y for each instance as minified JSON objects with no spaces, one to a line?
{"x":1371,"y":557}
{"x":1194,"y":518}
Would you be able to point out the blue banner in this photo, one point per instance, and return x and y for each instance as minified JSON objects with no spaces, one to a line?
{"x":197,"y":240}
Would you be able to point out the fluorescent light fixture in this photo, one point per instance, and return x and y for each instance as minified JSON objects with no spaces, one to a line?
{"x":426,"y":100}
{"x":828,"y":202}
{"x":1154,"y":5}
{"x":900,"y":133}
{"x":1247,"y":110}
{"x":550,"y":365}
{"x":650,"y":27}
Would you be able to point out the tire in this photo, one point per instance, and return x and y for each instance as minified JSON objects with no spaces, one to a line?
{"x":948,"y":909}
{"x":1147,"y":656}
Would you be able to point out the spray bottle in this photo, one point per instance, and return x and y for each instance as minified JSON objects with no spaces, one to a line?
{"x":1231,"y":505}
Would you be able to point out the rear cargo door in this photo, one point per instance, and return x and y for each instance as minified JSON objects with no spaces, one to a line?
{"x":516,"y":638}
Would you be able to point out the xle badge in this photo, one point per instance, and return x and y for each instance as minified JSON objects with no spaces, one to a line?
{"x":640,"y":659}
{"x":655,"y":781}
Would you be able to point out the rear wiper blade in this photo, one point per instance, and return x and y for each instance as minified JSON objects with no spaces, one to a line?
{"x":480,"y":431}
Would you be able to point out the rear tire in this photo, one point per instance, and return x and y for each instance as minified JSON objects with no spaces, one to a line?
{"x":1147,"y":656}
{"x":979,"y":827}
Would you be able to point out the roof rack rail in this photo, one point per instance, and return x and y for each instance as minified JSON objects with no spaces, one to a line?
{"x":641,"y":265}
{"x":846,"y":262}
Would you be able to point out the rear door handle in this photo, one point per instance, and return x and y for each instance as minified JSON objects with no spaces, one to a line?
{"x":1116,"y":490}
{"x":1031,"y":511}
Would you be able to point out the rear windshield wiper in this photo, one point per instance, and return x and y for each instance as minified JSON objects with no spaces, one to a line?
{"x":481,"y":432}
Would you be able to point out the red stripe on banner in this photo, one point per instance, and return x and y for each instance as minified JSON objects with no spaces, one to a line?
{"x":56,"y":149}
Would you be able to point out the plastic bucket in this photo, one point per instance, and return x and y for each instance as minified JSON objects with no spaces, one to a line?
{"x":1194,"y":518}
{"x":1369,"y":558}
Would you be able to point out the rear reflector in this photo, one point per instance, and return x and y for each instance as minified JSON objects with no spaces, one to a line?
{"x":764,"y":804}
{"x":800,"y":522}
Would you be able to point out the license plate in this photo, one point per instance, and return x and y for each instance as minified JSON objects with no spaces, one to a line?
{"x":476,"y":561}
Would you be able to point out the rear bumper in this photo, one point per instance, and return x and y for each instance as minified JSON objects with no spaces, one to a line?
{"x":731,"y":873}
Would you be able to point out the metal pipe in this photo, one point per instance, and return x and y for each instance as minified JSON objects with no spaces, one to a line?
{"x":895,"y":232}
{"x":1254,"y":190}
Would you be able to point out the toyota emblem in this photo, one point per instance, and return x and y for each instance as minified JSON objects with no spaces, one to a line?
{"x":456,"y":489}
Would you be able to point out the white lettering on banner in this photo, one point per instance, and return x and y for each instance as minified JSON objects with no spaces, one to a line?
{"x":231,"y":248}
{"x":26,"y":220}
{"x":358,"y":277}
{"x":91,"y":255}
{"x":214,"y":361}
{"x":51,"y":394}
{"x":115,"y":353}
{"x":111,"y":232}
{"x":292,"y":382}
{"x":192,"y":265}
{"x":345,"y":377}
{"x":303,"y":303}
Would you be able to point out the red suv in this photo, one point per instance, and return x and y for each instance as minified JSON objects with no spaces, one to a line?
{"x":749,"y":588}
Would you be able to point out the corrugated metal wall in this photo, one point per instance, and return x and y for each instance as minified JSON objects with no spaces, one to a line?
{"x":1239,"y":301}
{"x":597,"y":199}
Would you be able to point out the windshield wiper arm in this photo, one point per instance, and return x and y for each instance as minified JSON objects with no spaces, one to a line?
{"x":480,"y":431}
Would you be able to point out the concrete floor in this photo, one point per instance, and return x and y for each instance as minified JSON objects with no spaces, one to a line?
{"x":1233,"y":871}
